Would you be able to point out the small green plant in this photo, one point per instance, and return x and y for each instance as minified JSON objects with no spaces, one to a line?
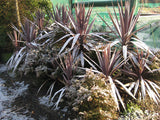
{"x":133,"y":111}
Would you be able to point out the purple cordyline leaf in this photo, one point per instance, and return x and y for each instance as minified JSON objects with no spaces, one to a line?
{"x":114,"y":43}
{"x":136,"y":87}
{"x":126,"y":18}
{"x":65,"y":44}
{"x":131,"y":86}
{"x":62,"y":38}
{"x":20,"y":52}
{"x":115,"y":25}
{"x":18,"y":30}
{"x":76,"y":37}
{"x":41,"y":87}
{"x":96,"y":35}
{"x":89,"y":44}
{"x":67,"y":67}
{"x":82,"y":58}
{"x":152,"y":84}
{"x":86,"y":47}
{"x":156,"y":86}
{"x":73,"y":22}
{"x":117,"y":62}
{"x":113,"y":91}
{"x":88,"y":13}
{"x":50,"y":90}
{"x":124,"y":48}
{"x":133,"y":33}
{"x":131,"y":15}
{"x":99,"y":59}
{"x":121,"y":15}
{"x":143,"y":89}
{"x":117,"y":67}
{"x":106,"y":54}
{"x":116,"y":18}
{"x":151,"y":93}
{"x":90,"y":60}
{"x":141,"y":45}
{"x":61,"y":91}
{"x":126,"y":89}
{"x":119,"y":97}
{"x":65,"y":78}
{"x":75,"y":51}
{"x":112,"y":60}
{"x":90,"y":26}
{"x":66,"y":28}
{"x":148,"y":68}
{"x":135,"y":62}
{"x":10,"y":62}
{"x":128,"y":72}
{"x":135,"y":19}
{"x":18,"y":61}
{"x":122,"y":6}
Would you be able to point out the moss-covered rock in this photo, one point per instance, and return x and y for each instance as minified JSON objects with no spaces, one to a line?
{"x":91,"y":98}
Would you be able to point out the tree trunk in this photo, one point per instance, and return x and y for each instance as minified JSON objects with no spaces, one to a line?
{"x":18,"y":15}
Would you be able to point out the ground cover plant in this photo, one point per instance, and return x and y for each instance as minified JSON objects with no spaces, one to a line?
{"x":122,"y":65}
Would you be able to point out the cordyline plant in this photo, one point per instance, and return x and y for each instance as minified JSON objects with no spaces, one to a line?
{"x":142,"y":86}
{"x":124,"y":28}
{"x":60,"y":14}
{"x":68,"y":66}
{"x":15,"y":37}
{"x":109,"y":63}
{"x":39,"y":20}
{"x":78,"y":33}
{"x":27,"y":37}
